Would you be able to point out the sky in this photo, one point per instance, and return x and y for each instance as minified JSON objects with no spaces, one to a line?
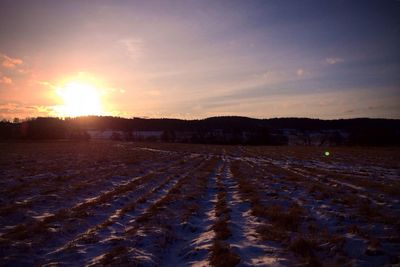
{"x":196,"y":59}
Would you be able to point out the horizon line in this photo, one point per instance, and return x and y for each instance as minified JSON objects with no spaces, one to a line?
{"x":183,"y":119}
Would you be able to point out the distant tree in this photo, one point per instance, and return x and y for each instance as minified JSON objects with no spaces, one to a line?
{"x":44,"y":128}
{"x":116,"y":136}
{"x":78,"y":135}
{"x":8,"y":130}
{"x":374,"y":137}
{"x":128,"y":135}
{"x":168,"y":136}
{"x":218,"y":130}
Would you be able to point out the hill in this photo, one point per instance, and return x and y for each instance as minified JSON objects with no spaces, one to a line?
{"x":223,"y":130}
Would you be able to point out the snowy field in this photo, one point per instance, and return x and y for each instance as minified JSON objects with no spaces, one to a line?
{"x":137,"y":204}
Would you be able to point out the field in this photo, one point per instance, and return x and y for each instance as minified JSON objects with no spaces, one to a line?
{"x":137,"y":204}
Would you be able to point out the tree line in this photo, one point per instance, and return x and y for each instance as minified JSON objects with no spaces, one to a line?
{"x":362,"y":131}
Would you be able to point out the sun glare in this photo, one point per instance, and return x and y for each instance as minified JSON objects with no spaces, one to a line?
{"x":79,"y":99}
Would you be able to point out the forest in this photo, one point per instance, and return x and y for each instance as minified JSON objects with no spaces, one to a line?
{"x":214,"y":130}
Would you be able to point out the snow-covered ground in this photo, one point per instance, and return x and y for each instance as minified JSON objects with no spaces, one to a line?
{"x":122,"y":204}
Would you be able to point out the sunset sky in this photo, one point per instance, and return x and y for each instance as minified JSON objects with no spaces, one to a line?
{"x":196,"y":59}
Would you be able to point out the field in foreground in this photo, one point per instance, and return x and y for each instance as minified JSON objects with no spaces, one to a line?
{"x":116,"y":204}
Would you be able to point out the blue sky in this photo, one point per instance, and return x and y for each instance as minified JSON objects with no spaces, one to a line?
{"x":194,"y":59}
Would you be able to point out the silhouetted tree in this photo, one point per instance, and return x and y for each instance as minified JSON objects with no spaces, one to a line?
{"x":168,"y":136}
{"x":217,"y":130}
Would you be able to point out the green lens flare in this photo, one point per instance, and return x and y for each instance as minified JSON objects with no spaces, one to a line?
{"x":327,"y":153}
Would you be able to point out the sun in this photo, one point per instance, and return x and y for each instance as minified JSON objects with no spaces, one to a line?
{"x":79,"y":99}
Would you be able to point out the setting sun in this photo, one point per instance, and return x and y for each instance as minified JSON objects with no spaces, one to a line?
{"x":79,"y":99}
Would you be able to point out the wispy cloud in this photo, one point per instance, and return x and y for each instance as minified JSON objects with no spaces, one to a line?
{"x":166,"y":58}
{"x":15,"y":109}
{"x":334,"y":60}
{"x":45,"y":109}
{"x":9,"y":62}
{"x":300,"y":72}
{"x":133,"y":46}
{"x":5,"y":80}
{"x":45,"y":83}
{"x":22,"y":110}
{"x":14,"y":70}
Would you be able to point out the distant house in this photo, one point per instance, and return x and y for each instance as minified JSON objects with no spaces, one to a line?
{"x":185,"y":136}
{"x":105,"y":134}
{"x":316,"y":138}
{"x":147,"y":135}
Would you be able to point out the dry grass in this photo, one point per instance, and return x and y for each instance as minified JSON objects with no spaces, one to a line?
{"x":182,"y":190}
{"x":303,"y":247}
{"x":280,"y":223}
{"x":290,"y":219}
{"x":222,"y":211}
{"x":369,"y":212}
{"x":221,"y":229}
{"x":270,"y":186}
{"x":117,"y":256}
{"x":222,"y":255}
{"x":269,"y":232}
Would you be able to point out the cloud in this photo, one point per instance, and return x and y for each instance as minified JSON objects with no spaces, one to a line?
{"x":15,"y":109}
{"x":44,"y":109}
{"x":334,"y":60}
{"x":45,"y":83}
{"x":133,"y":46}
{"x":300,"y":72}
{"x":9,"y":62}
{"x":9,"y":110}
{"x":5,"y":80}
